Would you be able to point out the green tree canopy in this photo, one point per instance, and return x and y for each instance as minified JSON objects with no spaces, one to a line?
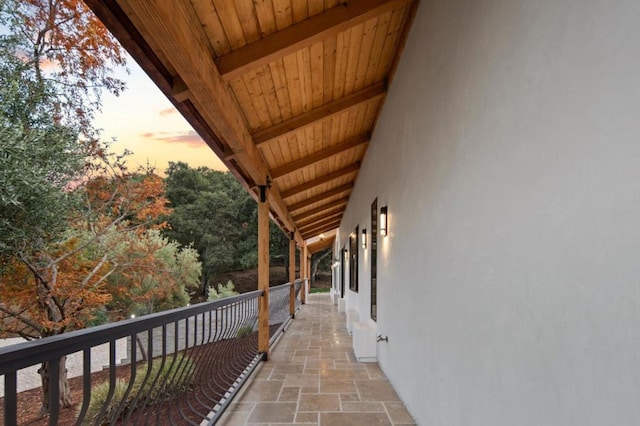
{"x":212,"y":212}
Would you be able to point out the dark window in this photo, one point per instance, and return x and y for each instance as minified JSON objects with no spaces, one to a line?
{"x":343,"y":261}
{"x":374,"y":260}
{"x":353,"y":261}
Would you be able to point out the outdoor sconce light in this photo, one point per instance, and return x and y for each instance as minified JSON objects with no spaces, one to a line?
{"x":384,"y":229}
{"x":364,"y":238}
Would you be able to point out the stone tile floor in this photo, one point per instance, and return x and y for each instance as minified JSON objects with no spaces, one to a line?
{"x":312,"y":377}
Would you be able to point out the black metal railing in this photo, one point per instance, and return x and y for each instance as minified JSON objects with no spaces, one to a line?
{"x":279,"y":311}
{"x":182,"y":366}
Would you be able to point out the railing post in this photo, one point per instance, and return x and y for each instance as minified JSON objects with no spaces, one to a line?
{"x":263,"y":273}
{"x":292,"y":275}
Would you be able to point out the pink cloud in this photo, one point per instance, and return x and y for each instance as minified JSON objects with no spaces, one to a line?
{"x":189,"y":138}
{"x":167,"y":111}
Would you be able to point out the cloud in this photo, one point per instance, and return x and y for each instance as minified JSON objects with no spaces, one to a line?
{"x":167,"y":111}
{"x":189,"y":138}
{"x":46,"y":64}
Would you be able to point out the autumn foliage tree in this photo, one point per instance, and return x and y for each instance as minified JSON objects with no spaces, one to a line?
{"x":63,"y":43}
{"x":78,"y":231}
{"x":110,"y":254}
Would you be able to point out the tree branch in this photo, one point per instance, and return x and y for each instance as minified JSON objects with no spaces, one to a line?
{"x":95,"y":270}
{"x":21,"y":318}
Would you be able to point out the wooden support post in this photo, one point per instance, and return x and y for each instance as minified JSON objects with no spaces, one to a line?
{"x":304,"y":267}
{"x":292,"y":275}
{"x":263,"y":273}
{"x":308,"y":268}
{"x":303,"y":273}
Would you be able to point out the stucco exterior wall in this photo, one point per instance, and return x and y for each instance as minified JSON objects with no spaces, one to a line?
{"x":508,"y":154}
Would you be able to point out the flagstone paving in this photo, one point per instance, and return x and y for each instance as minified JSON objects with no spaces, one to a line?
{"x":312,"y":377}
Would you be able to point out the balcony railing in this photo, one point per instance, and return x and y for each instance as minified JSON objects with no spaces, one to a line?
{"x":182,"y":366}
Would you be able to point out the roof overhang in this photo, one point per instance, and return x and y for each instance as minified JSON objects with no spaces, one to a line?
{"x":287,"y":94}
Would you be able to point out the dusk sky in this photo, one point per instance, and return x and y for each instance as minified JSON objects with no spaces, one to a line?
{"x":144,"y":121}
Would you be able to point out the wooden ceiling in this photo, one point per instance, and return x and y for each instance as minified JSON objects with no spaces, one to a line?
{"x":285,"y":92}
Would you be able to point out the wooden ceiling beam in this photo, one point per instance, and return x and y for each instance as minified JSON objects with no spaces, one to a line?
{"x":321,"y":180}
{"x":315,"y":232}
{"x":321,"y":224}
{"x":322,"y":196}
{"x":332,"y":215}
{"x":332,"y":205}
{"x":304,"y":33}
{"x":331,"y":109}
{"x":177,"y":32}
{"x":321,"y":245}
{"x":319,"y":156}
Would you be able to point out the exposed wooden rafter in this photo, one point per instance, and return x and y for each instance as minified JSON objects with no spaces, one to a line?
{"x":319,"y":156}
{"x":325,"y":213}
{"x":325,"y":208}
{"x":330,"y":193}
{"x":316,"y":115}
{"x":310,"y":222}
{"x":315,"y":231}
{"x":321,"y":245}
{"x":321,"y":180}
{"x":302,"y":34}
{"x":321,"y":223}
{"x":288,"y":92}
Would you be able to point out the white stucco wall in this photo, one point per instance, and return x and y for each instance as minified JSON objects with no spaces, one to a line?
{"x":508,"y":154}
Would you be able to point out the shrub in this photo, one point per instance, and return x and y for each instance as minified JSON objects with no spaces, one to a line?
{"x":164,"y":381}
{"x":172,"y":377}
{"x":245,"y":330}
{"x":99,"y":394}
{"x":223,"y":291}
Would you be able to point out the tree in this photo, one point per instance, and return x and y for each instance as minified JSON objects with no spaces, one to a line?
{"x":159,"y":281}
{"x":61,"y":42}
{"x":39,"y":158}
{"x":70,"y":212}
{"x":55,"y":59}
{"x":316,"y":258}
{"x":68,"y":278}
{"x":214,"y":213}
{"x":208,"y":209}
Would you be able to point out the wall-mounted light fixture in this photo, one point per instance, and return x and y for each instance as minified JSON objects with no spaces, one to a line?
{"x":364,"y":238}
{"x":384,"y":229}
{"x":346,"y":255}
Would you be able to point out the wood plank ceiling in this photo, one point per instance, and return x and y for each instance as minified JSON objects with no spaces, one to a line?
{"x":286,"y":92}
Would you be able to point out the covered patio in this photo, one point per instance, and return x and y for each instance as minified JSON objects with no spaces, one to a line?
{"x":312,"y":377}
{"x":287,"y":94}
